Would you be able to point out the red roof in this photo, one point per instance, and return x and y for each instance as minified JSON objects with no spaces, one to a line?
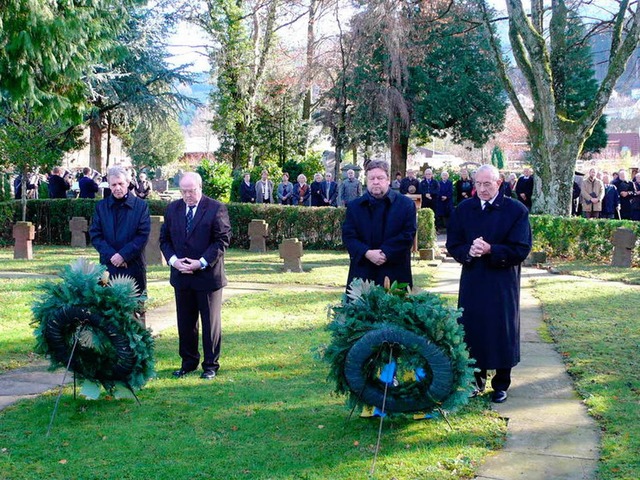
{"x":624,"y":141}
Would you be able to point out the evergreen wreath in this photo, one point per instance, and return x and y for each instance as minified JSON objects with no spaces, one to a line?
{"x":97,"y":314}
{"x":418,"y":335}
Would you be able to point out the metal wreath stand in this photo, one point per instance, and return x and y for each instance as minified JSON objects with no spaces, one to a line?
{"x":429,"y":390}
{"x":75,"y":321}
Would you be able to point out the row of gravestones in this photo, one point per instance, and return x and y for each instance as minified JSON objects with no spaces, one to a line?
{"x":624,"y":241}
{"x":290,"y":249}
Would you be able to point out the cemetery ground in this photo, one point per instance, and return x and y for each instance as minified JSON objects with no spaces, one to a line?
{"x":271,"y":414}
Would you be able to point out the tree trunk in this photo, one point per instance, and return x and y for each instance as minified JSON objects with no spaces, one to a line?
{"x":554,"y":168}
{"x":399,"y":146}
{"x":311,"y":42}
{"x":95,"y":142}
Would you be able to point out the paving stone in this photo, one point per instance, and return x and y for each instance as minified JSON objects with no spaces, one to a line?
{"x":525,"y":466}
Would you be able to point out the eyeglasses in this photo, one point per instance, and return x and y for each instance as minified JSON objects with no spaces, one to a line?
{"x":188,"y":191}
{"x":485,"y":184}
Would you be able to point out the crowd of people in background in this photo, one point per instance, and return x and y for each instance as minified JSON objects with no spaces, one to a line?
{"x":597,"y":195}
{"x":83,"y":183}
{"x":607,"y":195}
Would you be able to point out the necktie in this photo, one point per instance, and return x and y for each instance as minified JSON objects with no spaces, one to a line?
{"x":190,"y":218}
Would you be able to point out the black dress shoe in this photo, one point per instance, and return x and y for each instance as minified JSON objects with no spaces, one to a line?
{"x":208,"y":374}
{"x":181,"y":373}
{"x":499,"y":396}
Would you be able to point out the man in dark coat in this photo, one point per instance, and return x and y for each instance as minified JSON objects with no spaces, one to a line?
{"x":88,"y":187}
{"x":430,"y":190}
{"x":490,"y":236}
{"x":195,"y":234}
{"x":120,"y":229}
{"x":379,"y":229}
{"x":408,"y":182}
{"x":524,"y":188}
{"x":57,"y":186}
{"x":329,"y":191}
{"x":247,"y":190}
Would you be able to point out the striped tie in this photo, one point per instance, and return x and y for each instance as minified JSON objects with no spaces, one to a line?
{"x":190,"y":218}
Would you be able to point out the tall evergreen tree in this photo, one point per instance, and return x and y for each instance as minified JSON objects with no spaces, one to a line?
{"x":420,"y":71}
{"x":575,"y":84}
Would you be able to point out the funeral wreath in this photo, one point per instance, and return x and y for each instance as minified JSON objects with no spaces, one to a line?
{"x":88,"y":321}
{"x":403,"y":350}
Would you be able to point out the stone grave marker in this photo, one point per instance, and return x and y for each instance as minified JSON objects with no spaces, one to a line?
{"x":258,"y":232}
{"x":23,"y":233}
{"x":291,"y":252}
{"x":79,"y":228}
{"x":152,"y":252}
{"x":624,"y":241}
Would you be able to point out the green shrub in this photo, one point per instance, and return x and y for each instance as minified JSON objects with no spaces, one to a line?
{"x":216,"y":179}
{"x":578,"y":238}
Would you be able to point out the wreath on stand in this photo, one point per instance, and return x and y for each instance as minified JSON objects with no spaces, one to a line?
{"x":88,"y":323}
{"x":398,"y":351}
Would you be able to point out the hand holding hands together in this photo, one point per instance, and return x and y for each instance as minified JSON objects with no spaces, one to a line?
{"x":377,"y":257}
{"x":479,"y":247}
{"x":186,"y":265}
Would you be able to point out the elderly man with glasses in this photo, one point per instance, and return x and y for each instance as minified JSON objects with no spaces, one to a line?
{"x":490,"y":236}
{"x":193,"y":240}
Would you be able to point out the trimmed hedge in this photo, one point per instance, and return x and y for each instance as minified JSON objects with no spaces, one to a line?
{"x":317,"y":227}
{"x":579,"y":238}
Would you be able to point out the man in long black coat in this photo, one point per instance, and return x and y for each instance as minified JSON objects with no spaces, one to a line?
{"x":490,"y":236}
{"x":120,"y":229}
{"x":524,"y":188}
{"x":379,"y":229}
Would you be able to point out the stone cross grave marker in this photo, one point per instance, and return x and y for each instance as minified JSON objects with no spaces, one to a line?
{"x":624,"y":241}
{"x":258,"y":232}
{"x":79,"y":228}
{"x":291,"y":251}
{"x":23,"y":233}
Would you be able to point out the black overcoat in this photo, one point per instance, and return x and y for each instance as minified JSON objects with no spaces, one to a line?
{"x":388,"y":224}
{"x":490,"y":285}
{"x":122,"y":227}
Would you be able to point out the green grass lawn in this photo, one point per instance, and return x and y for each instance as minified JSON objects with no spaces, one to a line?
{"x":597,"y":331}
{"x":600,"y":272}
{"x":270,"y":414}
{"x":323,"y":268}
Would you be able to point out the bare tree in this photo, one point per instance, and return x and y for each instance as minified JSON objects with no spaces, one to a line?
{"x":539,"y":43}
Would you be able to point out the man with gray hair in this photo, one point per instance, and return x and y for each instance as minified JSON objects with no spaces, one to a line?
{"x":193,"y":239}
{"x":120,"y":229}
{"x":489,"y":235}
{"x":379,"y":229}
{"x":350,"y":188}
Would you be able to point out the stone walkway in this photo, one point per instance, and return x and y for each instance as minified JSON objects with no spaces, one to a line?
{"x":549,"y":435}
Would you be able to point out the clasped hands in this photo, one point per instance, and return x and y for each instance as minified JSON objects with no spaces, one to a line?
{"x":479,"y":247}
{"x":377,"y":257}
{"x":118,"y":261}
{"x":187,"y":265}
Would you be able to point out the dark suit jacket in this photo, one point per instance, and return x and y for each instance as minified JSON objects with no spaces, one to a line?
{"x":208,"y":239}
{"x":333,"y":193}
{"x":247,"y":192}
{"x":88,"y":187}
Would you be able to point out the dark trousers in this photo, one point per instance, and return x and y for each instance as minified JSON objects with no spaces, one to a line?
{"x":208,"y":306}
{"x":500,"y":381}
